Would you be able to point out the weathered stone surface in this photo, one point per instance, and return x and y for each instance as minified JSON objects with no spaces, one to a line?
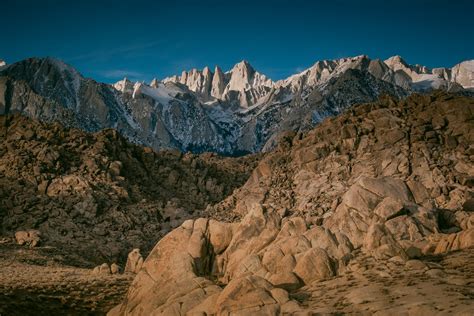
{"x":456,"y":241}
{"x":114,"y":268}
{"x":314,"y":264}
{"x":246,"y":264}
{"x":30,"y":237}
{"x":103,"y":269}
{"x":390,"y":201}
{"x":285,"y":280}
{"x":323,"y":208}
{"x":381,"y":243}
{"x":247,"y":295}
{"x":415,"y":265}
{"x":134,"y":261}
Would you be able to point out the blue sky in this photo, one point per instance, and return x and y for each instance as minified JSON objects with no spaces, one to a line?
{"x":107,"y":40}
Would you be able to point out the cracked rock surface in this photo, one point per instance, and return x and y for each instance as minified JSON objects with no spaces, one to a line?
{"x":369,"y":213}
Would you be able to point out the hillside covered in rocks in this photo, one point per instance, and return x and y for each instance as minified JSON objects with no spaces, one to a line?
{"x":236,"y":112}
{"x":371,"y":212}
{"x":97,"y":196}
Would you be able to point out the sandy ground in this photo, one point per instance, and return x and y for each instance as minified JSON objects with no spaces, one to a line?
{"x":437,"y":285}
{"x":44,"y":281}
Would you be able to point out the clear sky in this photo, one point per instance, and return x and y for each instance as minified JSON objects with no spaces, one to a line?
{"x":107,"y":40}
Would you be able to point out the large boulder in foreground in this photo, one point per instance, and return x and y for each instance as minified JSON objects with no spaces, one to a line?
{"x":258,"y":260}
{"x":205,"y":266}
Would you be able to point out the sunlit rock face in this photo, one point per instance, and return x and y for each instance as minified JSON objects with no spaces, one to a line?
{"x":376,"y":199}
{"x":235,"y":112}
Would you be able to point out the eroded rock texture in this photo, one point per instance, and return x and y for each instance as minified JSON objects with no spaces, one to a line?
{"x":98,"y":196}
{"x":369,"y":202}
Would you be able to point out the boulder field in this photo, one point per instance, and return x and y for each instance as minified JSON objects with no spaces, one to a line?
{"x":98,"y":196}
{"x":371,"y":212}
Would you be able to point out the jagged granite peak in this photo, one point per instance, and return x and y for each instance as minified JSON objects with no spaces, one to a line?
{"x":218,"y":83}
{"x":154,"y":83}
{"x":206,"y":71}
{"x":137,"y":89}
{"x":182,"y":79}
{"x":243,"y":77}
{"x":443,"y":72}
{"x":396,"y":61}
{"x":230,"y":113}
{"x":422,"y":78}
{"x":206,"y":83}
{"x":245,"y":86}
{"x":322,"y":71}
{"x":124,"y":85}
{"x":196,"y":80}
{"x":2,"y":63}
{"x":241,"y":86}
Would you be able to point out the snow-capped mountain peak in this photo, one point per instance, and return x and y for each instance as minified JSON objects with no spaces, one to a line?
{"x":241,"y":85}
{"x":124,"y":85}
{"x":423,"y":78}
{"x":243,"y":77}
{"x":235,"y":112}
{"x":154,"y":83}
{"x":244,"y":87}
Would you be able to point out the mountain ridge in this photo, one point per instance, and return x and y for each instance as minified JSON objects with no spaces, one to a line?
{"x":231,"y":113}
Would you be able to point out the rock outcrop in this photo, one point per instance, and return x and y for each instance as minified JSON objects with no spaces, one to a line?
{"x":384,"y":184}
{"x":30,"y":237}
{"x":103,"y":269}
{"x":114,"y":268}
{"x":134,"y":261}
{"x":462,"y":74}
{"x":98,"y":196}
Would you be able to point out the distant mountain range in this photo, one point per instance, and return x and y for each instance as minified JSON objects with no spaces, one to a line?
{"x":232,"y":113}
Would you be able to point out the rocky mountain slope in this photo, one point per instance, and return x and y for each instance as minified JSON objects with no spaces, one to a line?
{"x":359,"y":215}
{"x":235,"y":112}
{"x":96,"y":196}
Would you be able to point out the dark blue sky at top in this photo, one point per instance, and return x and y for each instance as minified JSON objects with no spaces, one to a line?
{"x":107,"y":40}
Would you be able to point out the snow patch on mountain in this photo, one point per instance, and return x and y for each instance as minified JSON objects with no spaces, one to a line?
{"x":233,"y":112}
